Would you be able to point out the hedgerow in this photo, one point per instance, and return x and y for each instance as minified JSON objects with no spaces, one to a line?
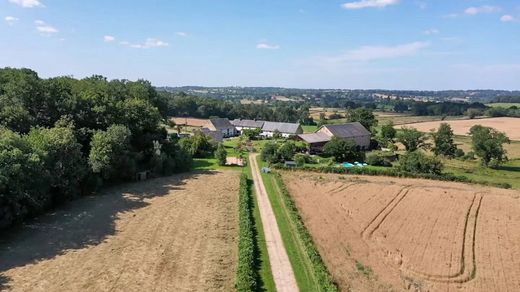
{"x":246,"y":280}
{"x":392,"y":172}
{"x":321,"y":273}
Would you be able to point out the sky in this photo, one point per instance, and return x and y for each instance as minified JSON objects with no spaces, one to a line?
{"x":351,"y":44}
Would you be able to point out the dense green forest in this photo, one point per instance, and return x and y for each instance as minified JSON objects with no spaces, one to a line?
{"x":61,"y":138}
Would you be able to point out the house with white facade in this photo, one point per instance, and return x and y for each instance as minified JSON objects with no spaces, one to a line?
{"x":286,"y":129}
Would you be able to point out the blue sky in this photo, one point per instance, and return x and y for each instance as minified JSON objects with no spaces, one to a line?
{"x":391,"y":44}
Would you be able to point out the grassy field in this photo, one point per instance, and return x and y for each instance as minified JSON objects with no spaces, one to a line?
{"x":513,"y":149}
{"x":507,"y":173}
{"x":504,"y":104}
{"x":299,"y":260}
{"x":309,"y":129}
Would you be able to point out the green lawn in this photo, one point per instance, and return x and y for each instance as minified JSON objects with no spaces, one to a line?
{"x":504,"y":104}
{"x":265,"y":280}
{"x":299,"y":260}
{"x":309,"y":129}
{"x":211,"y":164}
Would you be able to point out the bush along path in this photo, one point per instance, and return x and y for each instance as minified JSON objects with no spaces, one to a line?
{"x":246,"y":278}
{"x":283,"y":273}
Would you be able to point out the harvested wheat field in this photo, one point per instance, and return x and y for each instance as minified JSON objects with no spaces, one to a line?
{"x":510,"y":126}
{"x":391,"y":234}
{"x":169,"y":234}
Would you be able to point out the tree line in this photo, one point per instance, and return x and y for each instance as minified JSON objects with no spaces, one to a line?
{"x":182,"y":105}
{"x":61,"y":138}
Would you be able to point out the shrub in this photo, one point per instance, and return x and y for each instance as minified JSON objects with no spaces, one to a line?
{"x":459,"y":153}
{"x":417,"y":162}
{"x":377,"y":159}
{"x":300,"y":159}
{"x":246,"y":278}
{"x":221,"y":154}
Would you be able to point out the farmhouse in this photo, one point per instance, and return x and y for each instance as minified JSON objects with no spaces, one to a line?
{"x":352,"y":131}
{"x":286,"y":129}
{"x":247,"y":124}
{"x":222,"y":125}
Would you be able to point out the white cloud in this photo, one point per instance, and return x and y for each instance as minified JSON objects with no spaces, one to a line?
{"x":149,"y":43}
{"x":44,"y":28}
{"x":370,"y":53}
{"x":11,"y":20}
{"x":431,"y":31}
{"x":266,"y":46}
{"x":182,"y":34}
{"x":508,"y":18}
{"x":481,"y":9}
{"x":109,"y":38}
{"x":27,"y":3}
{"x":369,"y":4}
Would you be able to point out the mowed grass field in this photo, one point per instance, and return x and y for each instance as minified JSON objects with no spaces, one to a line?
{"x":175,"y":233}
{"x":394,"y":234}
{"x":504,"y":105}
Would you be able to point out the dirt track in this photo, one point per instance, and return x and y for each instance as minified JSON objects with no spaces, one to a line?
{"x":510,"y":126}
{"x":381,"y":234}
{"x":281,"y":268}
{"x":168,"y":234}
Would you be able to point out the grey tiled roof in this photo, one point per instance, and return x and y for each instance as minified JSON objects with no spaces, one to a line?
{"x":315,"y":137}
{"x":348,"y":130}
{"x":287,"y":128}
{"x":220,"y":123}
{"x":247,"y":123}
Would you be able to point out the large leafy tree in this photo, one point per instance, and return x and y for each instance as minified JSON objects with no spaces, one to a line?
{"x":109,"y":153}
{"x":488,"y":144}
{"x":387,"y":134}
{"x":364,"y":116}
{"x":443,"y":141}
{"x":342,"y":150}
{"x":412,"y":139}
{"x":22,"y":187}
{"x":64,"y":165}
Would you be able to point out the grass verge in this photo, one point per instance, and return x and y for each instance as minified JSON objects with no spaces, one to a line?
{"x":309,"y":269}
{"x":264,"y":281}
{"x":392,"y":172}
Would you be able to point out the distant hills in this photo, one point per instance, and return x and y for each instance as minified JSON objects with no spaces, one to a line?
{"x":294,"y":94}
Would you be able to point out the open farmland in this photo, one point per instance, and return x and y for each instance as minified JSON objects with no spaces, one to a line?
{"x":510,"y":126}
{"x":170,"y":234}
{"x":390,"y":234}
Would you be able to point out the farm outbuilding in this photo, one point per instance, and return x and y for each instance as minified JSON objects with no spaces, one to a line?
{"x":351,"y":131}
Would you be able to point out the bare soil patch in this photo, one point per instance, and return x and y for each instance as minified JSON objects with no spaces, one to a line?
{"x":383,"y":234}
{"x":170,"y":234}
{"x":510,"y":126}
